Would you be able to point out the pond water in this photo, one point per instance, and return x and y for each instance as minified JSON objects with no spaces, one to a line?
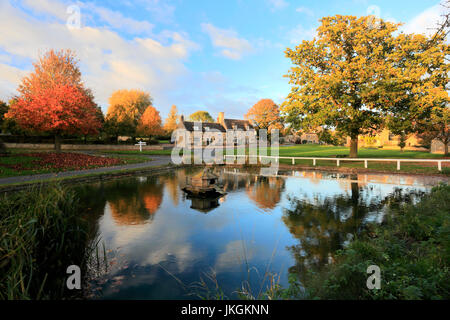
{"x":160,"y":243}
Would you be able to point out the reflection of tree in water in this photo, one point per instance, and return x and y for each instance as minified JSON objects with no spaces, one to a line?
{"x":266,"y":191}
{"x":323,"y":226}
{"x":172,"y":185}
{"x":134,"y":203}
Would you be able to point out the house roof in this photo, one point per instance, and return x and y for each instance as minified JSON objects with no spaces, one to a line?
{"x":240,"y":124}
{"x":189,"y":125}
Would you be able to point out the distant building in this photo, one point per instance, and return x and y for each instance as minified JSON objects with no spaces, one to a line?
{"x":222,"y":126}
{"x":438,"y":147}
{"x":385,"y":139}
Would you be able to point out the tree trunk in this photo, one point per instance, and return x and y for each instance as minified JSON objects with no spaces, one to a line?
{"x":446,"y":148}
{"x":57,"y":143}
{"x":354,"y":147}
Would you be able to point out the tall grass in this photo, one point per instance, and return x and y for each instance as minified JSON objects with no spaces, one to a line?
{"x":42,"y":234}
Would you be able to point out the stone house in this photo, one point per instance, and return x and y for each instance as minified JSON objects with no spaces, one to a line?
{"x":222,"y":126}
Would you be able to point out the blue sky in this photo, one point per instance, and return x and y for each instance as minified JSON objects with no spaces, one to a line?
{"x":199,"y":55}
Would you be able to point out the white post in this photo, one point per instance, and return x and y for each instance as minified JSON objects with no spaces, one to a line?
{"x":293,"y":161}
{"x":398,"y":164}
{"x":337,"y":162}
{"x":314,"y":162}
{"x":439,"y":166}
{"x":140,"y":144}
{"x":365,"y":164}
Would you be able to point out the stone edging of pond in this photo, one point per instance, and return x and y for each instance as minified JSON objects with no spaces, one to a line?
{"x":92,"y":177}
{"x":153,"y":170}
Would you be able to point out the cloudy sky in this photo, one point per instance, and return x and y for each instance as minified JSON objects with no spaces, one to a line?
{"x":198,"y":54}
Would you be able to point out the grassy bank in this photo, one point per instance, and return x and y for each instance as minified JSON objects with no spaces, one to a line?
{"x":41,"y":235}
{"x":412,"y":249}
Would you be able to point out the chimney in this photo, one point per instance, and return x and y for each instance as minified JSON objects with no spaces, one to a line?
{"x":220,"y":118}
{"x":181,"y":118}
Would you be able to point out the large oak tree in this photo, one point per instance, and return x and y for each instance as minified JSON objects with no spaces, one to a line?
{"x":340,"y":78}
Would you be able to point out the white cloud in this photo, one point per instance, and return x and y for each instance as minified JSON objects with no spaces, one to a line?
{"x":160,"y":10}
{"x":426,"y":22}
{"x":232,"y":46}
{"x":108,"y":61}
{"x":51,"y":7}
{"x":305,"y":10}
{"x":299,"y":33}
{"x":117,"y":21}
{"x":278,"y":4}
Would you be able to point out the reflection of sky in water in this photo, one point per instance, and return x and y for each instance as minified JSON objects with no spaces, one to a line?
{"x":159,"y":257}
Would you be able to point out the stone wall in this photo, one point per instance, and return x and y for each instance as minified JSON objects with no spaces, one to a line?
{"x":46,"y":146}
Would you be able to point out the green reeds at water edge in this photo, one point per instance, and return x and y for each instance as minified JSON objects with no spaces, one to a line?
{"x":42,"y":233}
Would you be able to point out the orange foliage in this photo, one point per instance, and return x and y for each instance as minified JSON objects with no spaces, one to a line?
{"x":266,"y":193}
{"x":53,"y":98}
{"x":150,"y":122}
{"x":265,"y":114}
{"x":171,"y":121}
{"x":126,"y":105}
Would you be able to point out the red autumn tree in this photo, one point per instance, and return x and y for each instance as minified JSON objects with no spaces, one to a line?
{"x":53,"y":99}
{"x":150,"y":122}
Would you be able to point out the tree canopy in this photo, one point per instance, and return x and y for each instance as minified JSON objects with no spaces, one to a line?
{"x":355,"y":74}
{"x":53,"y":98}
{"x":171,"y":122}
{"x":125,"y":109}
{"x":202,"y":116}
{"x":265,"y":114}
{"x":150,"y":122}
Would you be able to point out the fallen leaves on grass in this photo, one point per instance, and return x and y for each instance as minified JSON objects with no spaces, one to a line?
{"x":63,"y":161}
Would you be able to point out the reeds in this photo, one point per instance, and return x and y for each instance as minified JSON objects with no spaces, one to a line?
{"x":42,"y":233}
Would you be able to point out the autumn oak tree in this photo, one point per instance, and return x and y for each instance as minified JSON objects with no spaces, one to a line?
{"x":265,"y":114}
{"x":418,"y":94}
{"x":150,"y":123}
{"x":53,"y":99}
{"x":339,"y":79}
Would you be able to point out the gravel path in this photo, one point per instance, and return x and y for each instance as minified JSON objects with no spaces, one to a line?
{"x":155,"y":161}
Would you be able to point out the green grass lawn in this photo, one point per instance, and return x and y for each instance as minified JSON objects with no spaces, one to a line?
{"x":309,"y":150}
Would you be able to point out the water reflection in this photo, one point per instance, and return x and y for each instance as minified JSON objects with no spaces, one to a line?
{"x":134,"y":203}
{"x":156,"y":246}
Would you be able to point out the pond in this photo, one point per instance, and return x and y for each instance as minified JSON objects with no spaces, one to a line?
{"x":161,"y":243}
